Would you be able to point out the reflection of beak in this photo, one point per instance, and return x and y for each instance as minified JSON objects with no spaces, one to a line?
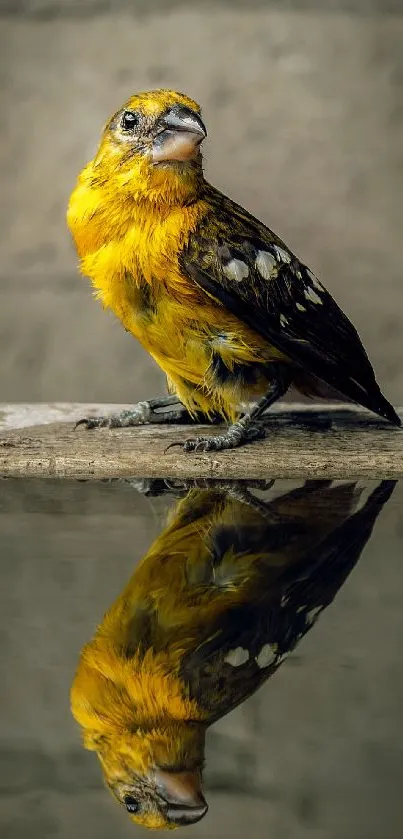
{"x":182,"y":793}
{"x":180,"y":133}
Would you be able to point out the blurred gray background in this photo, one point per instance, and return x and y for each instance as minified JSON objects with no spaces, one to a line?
{"x":304,"y":105}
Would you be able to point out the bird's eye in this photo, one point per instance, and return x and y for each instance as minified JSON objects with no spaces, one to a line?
{"x":129,"y":120}
{"x":131,"y":804}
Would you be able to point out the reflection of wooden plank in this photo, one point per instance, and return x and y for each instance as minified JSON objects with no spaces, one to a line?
{"x":301,"y":442}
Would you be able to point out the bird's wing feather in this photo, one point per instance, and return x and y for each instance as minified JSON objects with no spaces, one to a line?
{"x":256,"y":636}
{"x":239,"y":262}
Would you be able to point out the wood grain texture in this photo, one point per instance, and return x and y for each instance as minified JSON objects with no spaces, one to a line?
{"x":301,"y":442}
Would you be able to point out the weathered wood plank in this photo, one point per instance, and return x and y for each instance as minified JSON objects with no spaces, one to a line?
{"x":301,"y":442}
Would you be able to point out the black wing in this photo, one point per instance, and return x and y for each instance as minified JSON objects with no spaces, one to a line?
{"x":245,"y":267}
{"x":251,"y":640}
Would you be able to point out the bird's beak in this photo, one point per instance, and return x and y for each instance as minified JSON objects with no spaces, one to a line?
{"x":179,"y":134}
{"x":182,"y":793}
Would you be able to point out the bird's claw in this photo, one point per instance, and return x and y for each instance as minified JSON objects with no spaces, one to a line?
{"x":236,"y":435}
{"x":83,"y":421}
{"x":91,"y":422}
{"x":203,"y":444}
{"x":140,"y":414}
{"x":172,"y":446}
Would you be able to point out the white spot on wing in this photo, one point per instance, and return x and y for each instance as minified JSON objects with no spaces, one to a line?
{"x":266,"y":656}
{"x":300,"y":307}
{"x":283,"y":656}
{"x":283,"y":320}
{"x":313,"y":614}
{"x":236,"y":270}
{"x":237,"y":657}
{"x":282,"y":255}
{"x":311,"y":295}
{"x":314,"y":280}
{"x":266,"y":264}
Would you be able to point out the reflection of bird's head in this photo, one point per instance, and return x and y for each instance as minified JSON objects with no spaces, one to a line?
{"x":153,"y":768}
{"x":153,"y":796}
{"x":150,"y":148}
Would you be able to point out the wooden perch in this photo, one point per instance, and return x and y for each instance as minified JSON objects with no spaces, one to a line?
{"x":302,"y":442}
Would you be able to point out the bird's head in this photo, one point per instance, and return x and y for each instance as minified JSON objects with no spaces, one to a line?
{"x":156,"y":775}
{"x":150,"y":148}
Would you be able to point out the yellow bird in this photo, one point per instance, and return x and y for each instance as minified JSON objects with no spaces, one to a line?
{"x":218,"y":300}
{"x":226,"y":591}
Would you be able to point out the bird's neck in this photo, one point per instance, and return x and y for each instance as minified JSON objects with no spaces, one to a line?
{"x":135,"y":706}
{"x":116,"y":234}
{"x":172,"y":745}
{"x":102,"y":212}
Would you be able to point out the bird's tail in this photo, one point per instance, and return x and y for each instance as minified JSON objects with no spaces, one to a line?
{"x":379,"y":405}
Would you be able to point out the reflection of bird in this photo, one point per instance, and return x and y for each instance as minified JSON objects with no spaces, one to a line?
{"x":224,"y":593}
{"x":217,"y":299}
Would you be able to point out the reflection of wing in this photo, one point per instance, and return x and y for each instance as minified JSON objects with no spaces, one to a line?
{"x":253,"y":275}
{"x":249,"y":641}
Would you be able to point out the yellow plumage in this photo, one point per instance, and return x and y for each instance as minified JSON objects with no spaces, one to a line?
{"x":130,"y":222}
{"x":215,"y":297}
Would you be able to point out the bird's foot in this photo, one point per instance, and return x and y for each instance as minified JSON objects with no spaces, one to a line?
{"x":237,"y":435}
{"x":143,"y":413}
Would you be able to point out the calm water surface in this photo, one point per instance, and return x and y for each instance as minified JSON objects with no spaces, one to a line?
{"x":298,"y":589}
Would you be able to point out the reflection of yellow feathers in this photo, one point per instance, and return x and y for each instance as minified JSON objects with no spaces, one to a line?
{"x":226,"y":590}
